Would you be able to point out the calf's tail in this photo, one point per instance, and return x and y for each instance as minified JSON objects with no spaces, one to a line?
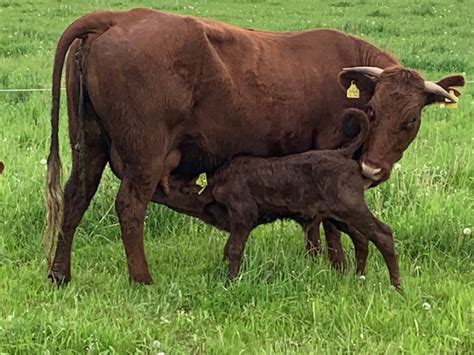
{"x":348,"y":117}
{"x":93,"y":23}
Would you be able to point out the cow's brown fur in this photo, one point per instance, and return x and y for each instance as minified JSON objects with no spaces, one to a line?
{"x":2,"y":166}
{"x":306,"y":187}
{"x":157,"y":82}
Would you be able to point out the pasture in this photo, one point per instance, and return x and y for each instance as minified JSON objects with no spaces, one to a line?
{"x":283,"y":302}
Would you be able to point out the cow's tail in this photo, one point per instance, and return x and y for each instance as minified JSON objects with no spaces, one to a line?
{"x":348,"y":119}
{"x":97,"y":23}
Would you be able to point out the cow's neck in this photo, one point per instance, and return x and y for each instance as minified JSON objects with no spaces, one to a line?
{"x":369,"y":55}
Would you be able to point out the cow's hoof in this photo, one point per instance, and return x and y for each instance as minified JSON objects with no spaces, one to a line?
{"x":59,"y":278}
{"x":142,"y":279}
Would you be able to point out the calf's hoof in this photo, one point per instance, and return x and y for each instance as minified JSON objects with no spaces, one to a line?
{"x":59,"y":278}
{"x":313,"y":252}
{"x":340,"y":267}
{"x":337,"y":259}
{"x":233,"y":272}
{"x":396,"y":283}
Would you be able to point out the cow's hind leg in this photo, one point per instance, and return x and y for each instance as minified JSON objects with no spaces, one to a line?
{"x":141,"y":177}
{"x":78,"y":192}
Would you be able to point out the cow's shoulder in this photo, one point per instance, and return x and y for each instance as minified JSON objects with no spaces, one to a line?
{"x":217,"y":33}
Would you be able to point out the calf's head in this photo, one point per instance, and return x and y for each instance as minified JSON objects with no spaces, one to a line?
{"x":396,"y":97}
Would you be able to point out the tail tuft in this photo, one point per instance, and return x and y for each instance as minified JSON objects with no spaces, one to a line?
{"x":54,"y":206}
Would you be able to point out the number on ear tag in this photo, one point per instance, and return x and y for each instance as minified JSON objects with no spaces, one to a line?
{"x":454,"y":104}
{"x":353,"y":91}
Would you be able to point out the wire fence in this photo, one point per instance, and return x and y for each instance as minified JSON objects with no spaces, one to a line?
{"x":49,"y":89}
{"x":26,"y":90}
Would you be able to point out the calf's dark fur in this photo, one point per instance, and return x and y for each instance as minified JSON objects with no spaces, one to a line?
{"x":307,"y":187}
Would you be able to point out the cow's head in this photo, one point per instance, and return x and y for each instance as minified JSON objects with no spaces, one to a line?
{"x":396,"y":97}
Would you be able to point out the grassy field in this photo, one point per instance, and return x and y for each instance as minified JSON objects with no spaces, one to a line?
{"x":284,"y":301}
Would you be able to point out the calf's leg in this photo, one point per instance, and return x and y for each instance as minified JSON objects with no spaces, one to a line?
{"x":312,"y":237}
{"x":361,"y":249}
{"x":234,"y":248}
{"x":241,"y":220}
{"x":334,"y":245}
{"x":381,"y":235}
{"x":360,"y":245}
{"x":242,"y":214}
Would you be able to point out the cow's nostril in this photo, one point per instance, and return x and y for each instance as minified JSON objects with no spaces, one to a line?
{"x":371,"y":172}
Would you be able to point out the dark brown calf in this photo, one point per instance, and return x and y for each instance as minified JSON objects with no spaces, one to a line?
{"x":307,"y":187}
{"x":2,"y":166}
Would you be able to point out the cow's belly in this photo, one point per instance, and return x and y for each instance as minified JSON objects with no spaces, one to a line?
{"x":207,"y":148}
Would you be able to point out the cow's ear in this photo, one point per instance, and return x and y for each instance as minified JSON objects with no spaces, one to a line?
{"x":448,"y":83}
{"x":365,"y":83}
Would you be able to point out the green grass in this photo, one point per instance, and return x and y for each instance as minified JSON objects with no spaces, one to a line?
{"x":284,"y":302}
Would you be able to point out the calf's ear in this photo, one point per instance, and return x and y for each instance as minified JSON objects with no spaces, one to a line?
{"x":448,"y":83}
{"x":365,"y":83}
{"x":350,"y":124}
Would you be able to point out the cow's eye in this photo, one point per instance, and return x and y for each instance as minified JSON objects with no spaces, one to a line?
{"x":410,"y":122}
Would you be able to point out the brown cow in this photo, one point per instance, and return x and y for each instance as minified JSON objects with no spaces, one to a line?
{"x":142,"y":84}
{"x":2,"y":166}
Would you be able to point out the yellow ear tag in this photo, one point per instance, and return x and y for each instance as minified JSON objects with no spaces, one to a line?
{"x":202,"y":182}
{"x":449,"y":104}
{"x":353,"y":92}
